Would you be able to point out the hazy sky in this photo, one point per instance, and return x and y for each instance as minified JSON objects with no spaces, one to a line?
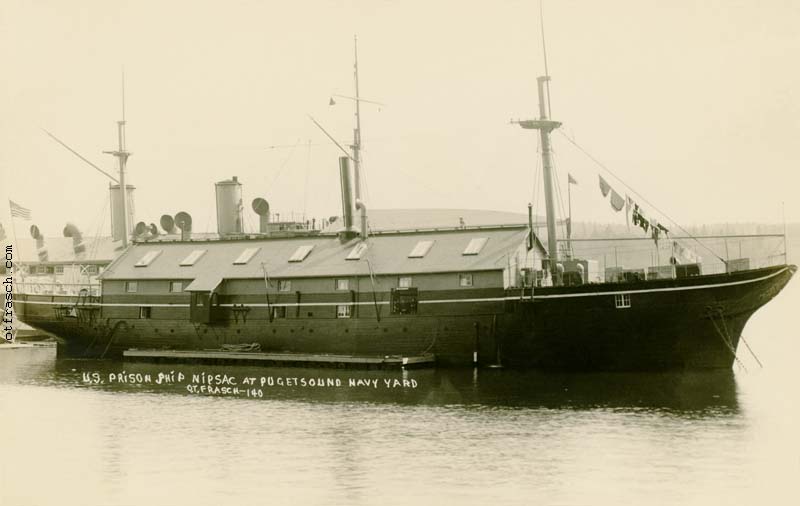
{"x":694,"y":103}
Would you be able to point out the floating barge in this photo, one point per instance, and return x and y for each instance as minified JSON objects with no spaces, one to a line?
{"x":280,"y":359}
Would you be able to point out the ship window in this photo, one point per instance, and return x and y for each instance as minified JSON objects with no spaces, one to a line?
{"x":465,"y":280}
{"x":148,"y":258}
{"x":279,"y":312}
{"x":131,"y":286}
{"x":421,"y":249}
{"x":357,"y":251}
{"x":301,"y":253}
{"x":284,"y":285}
{"x":144,"y":312}
{"x":343,"y":311}
{"x":622,"y":300}
{"x":193,"y":257}
{"x":342,"y":284}
{"x":404,"y":282}
{"x":59,"y":269}
{"x":475,"y":246}
{"x":246,"y":255}
{"x":176,"y":286}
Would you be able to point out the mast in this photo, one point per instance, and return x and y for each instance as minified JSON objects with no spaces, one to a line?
{"x":122,"y":155}
{"x":357,"y":132}
{"x":545,"y":126}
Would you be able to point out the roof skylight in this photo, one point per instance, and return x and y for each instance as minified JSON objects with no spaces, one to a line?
{"x":475,"y":246}
{"x":421,"y":249}
{"x":193,"y":257}
{"x":148,"y":258}
{"x":301,"y":253}
{"x":246,"y":255}
{"x":357,"y":251}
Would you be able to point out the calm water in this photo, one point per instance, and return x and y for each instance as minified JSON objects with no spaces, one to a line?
{"x":443,"y":437}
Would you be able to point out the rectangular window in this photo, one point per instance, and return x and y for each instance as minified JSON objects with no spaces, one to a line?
{"x":192,"y":258}
{"x":357,"y":251}
{"x":404,"y":282}
{"x":246,"y":255}
{"x":131,"y":286}
{"x":148,"y":258}
{"x":465,"y":280}
{"x":91,"y":269}
{"x":175,"y":286}
{"x":144,"y":312}
{"x":421,"y":249}
{"x":284,"y":285}
{"x":342,"y":284}
{"x":475,"y":246}
{"x":343,"y":311}
{"x":42,"y":269}
{"x":622,"y":300}
{"x":278,"y":312}
{"x":301,"y":253}
{"x":59,"y":269}
{"x":51,"y":270}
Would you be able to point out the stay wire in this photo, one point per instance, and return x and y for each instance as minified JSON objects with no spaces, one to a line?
{"x":609,"y":171}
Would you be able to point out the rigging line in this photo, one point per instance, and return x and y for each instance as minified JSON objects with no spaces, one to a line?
{"x":347,"y":154}
{"x":308,"y":169}
{"x":560,"y":196}
{"x":96,"y":243}
{"x":363,"y":174}
{"x":601,"y":165}
{"x":283,"y":164}
{"x":536,"y":178}
{"x":81,"y":157}
{"x":558,"y":190}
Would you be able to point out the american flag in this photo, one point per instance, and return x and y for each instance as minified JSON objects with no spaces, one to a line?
{"x":17,"y":211}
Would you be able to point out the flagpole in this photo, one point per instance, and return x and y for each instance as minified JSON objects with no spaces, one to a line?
{"x":13,"y":225}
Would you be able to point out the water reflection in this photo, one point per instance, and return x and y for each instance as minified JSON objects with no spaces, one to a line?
{"x":684,"y":394}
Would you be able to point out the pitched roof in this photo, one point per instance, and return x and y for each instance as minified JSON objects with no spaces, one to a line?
{"x":387,"y":253}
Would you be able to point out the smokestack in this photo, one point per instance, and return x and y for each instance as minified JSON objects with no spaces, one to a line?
{"x":361,"y":207}
{"x":347,"y":194}
{"x":77,"y":240}
{"x":184,"y":222}
{"x":229,"y":207}
{"x":261,"y":208}
{"x":41,"y":250}
{"x":117,"y":221}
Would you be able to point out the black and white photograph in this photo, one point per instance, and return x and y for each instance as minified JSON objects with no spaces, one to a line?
{"x":357,"y":252}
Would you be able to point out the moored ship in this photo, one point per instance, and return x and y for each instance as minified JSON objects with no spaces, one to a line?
{"x":469,"y":295}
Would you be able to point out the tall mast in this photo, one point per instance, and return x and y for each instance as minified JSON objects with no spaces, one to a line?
{"x":357,"y":132}
{"x":545,"y":126}
{"x":122,"y":155}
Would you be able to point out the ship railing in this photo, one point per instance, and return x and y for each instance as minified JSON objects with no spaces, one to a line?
{"x":66,"y":289}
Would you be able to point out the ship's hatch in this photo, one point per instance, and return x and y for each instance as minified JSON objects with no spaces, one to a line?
{"x":202,"y":297}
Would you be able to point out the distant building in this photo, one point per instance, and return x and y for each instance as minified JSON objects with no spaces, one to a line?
{"x":56,"y":266}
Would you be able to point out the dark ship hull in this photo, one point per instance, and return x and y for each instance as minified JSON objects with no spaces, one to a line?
{"x":688,"y":323}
